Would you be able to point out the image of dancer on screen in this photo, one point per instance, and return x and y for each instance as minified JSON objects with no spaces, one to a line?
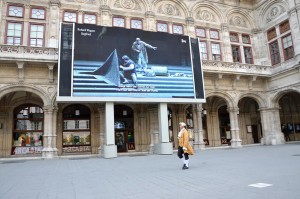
{"x":128,"y":70}
{"x":139,"y":53}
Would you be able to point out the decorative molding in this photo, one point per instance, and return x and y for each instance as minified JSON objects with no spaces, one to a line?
{"x":274,"y":12}
{"x":206,"y":15}
{"x":128,"y":4}
{"x":238,"y":21}
{"x":20,"y":53}
{"x":236,"y":68}
{"x":169,"y":9}
{"x":150,"y":14}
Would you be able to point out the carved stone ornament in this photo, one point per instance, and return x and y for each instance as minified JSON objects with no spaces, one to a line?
{"x":169,"y":9}
{"x":205,"y":15}
{"x":238,"y":21}
{"x":274,"y":12}
{"x":127,"y":4}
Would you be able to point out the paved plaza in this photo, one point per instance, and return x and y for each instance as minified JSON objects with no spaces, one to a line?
{"x":260,"y":172}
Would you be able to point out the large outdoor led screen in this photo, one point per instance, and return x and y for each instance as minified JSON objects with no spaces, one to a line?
{"x":117,"y":64}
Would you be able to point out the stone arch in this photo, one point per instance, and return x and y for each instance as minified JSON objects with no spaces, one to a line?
{"x":130,"y":5}
{"x":89,"y":106}
{"x":228,"y":99}
{"x":28,"y":88}
{"x":206,"y":12}
{"x":172,"y":8}
{"x":272,"y":10}
{"x":277,"y":96}
{"x":240,"y":18}
{"x":259,"y":99}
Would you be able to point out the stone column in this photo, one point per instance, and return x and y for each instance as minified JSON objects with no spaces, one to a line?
{"x":49,"y":148}
{"x":109,"y":148}
{"x":153,"y":127}
{"x":164,"y":146}
{"x":149,"y":21}
{"x":101,"y":129}
{"x":271,"y":128}
{"x":198,"y":128}
{"x":236,"y":142}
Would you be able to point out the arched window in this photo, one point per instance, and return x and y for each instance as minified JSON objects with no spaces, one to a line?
{"x":28,"y":130}
{"x":76,"y":129}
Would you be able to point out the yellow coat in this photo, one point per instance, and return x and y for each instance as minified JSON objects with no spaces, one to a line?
{"x":183,"y":141}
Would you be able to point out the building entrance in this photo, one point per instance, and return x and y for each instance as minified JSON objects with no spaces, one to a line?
{"x":124,"y":128}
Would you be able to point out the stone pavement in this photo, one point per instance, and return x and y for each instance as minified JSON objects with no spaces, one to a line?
{"x":272,"y":171}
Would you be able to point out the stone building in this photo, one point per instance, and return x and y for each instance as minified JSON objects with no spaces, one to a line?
{"x":250,"y":52}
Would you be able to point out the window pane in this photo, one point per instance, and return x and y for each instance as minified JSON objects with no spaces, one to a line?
{"x":32,"y":34}
{"x":162,"y":27}
{"x":70,"y":16}
{"x":234,"y":37}
{"x":216,"y":52}
{"x":17,"y":41}
{"x":203,"y":50}
{"x":137,"y":24}
{"x":248,"y":55}
{"x":177,"y":29}
{"x":90,"y":19}
{"x":118,"y":22}
{"x":235,"y":53}
{"x":15,"y":11}
{"x":246,"y":39}
{"x":274,"y":51}
{"x":10,"y":40}
{"x":38,"y":13}
{"x":214,"y":34}
{"x":200,"y":32}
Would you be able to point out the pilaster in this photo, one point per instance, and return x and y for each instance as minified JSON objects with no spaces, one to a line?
{"x":236,"y":142}
{"x":153,"y":121}
{"x":109,"y":149}
{"x":49,"y":150}
{"x":198,"y":128}
{"x":271,"y":128}
{"x":164,"y":146}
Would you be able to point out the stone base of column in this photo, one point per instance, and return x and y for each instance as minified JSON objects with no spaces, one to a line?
{"x":274,"y":139}
{"x":236,"y":143}
{"x":199,"y":145}
{"x":49,"y":153}
{"x":109,"y":151}
{"x":151,"y":148}
{"x":165,"y":148}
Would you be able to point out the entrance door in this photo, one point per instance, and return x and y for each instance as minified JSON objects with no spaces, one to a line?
{"x":124,"y":134}
{"x":255,"y":134}
{"x":120,"y":137}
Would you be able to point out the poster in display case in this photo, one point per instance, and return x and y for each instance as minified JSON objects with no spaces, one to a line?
{"x":76,"y":138}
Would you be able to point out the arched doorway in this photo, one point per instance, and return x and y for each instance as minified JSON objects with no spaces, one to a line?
{"x":76,"y":129}
{"x":249,"y":120}
{"x":290,"y":116}
{"x":27,"y":136}
{"x":124,"y":128}
{"x":224,"y":125}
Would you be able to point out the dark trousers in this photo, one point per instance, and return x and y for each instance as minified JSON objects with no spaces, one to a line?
{"x":180,"y":153}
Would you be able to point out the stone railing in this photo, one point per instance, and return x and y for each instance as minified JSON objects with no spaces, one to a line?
{"x":210,"y":66}
{"x":25,"y":53}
